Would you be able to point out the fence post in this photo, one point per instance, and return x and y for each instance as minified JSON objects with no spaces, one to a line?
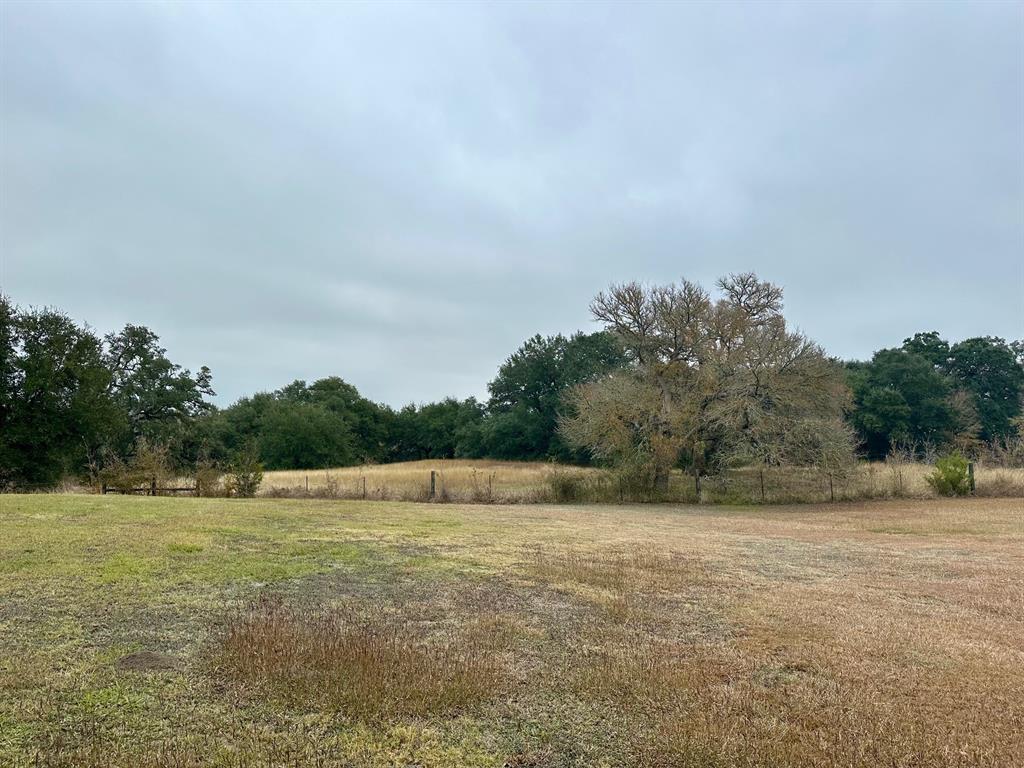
{"x":761,"y":473}
{"x":103,"y":489}
{"x":970,"y":475}
{"x":307,"y":483}
{"x":696,"y":481}
{"x":364,"y":487}
{"x":152,"y":487}
{"x":831,"y":488}
{"x":433,"y":480}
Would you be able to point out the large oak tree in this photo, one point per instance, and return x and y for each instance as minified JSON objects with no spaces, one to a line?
{"x":710,"y":381}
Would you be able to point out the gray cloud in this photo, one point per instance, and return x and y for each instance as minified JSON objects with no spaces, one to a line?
{"x":401,"y":193}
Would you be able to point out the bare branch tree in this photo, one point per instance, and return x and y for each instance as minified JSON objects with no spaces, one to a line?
{"x":711,"y":381}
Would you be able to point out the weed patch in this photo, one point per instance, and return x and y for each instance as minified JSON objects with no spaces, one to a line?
{"x":364,"y":667}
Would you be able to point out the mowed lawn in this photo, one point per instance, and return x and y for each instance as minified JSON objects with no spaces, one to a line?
{"x":186,"y":632}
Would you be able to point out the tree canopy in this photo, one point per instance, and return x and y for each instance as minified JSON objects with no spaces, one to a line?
{"x":676,"y":377}
{"x":68,"y":397}
{"x":931,"y":393}
{"x":988,"y":368}
{"x":529,"y":393}
{"x":900,"y":397}
{"x":709,"y":381}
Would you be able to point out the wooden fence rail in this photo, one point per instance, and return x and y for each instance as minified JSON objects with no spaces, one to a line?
{"x":149,"y":490}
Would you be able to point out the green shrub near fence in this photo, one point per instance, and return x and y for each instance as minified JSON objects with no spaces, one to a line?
{"x":951,"y":476}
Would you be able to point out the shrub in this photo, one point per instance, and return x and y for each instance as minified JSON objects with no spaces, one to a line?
{"x":208,"y":478}
{"x":566,"y":486}
{"x":1007,"y":451}
{"x":150,"y":463}
{"x":636,"y":480}
{"x":245,"y":473}
{"x":951,"y":476}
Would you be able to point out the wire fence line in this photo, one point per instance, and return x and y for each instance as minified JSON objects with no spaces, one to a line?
{"x":748,"y":485}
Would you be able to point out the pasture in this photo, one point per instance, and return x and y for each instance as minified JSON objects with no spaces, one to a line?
{"x":519,"y":482}
{"x":278,"y":632}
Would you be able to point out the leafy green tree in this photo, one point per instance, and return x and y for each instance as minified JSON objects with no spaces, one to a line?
{"x":300,"y":426}
{"x":221,"y":433}
{"x":900,"y":397}
{"x":296,"y":435}
{"x":1017,"y":347}
{"x":8,"y":381}
{"x":367,"y":421}
{"x":55,"y":405}
{"x":528,"y":394}
{"x":442,"y":430}
{"x":988,"y":368}
{"x":930,"y":346}
{"x":159,"y":397}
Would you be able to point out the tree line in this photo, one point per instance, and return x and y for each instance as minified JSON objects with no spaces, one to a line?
{"x":676,"y":377}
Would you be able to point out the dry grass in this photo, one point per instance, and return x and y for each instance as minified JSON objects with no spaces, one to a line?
{"x":695,"y":706}
{"x":854,"y":635}
{"x":457,"y":480}
{"x":360,"y":666}
{"x":508,"y":482}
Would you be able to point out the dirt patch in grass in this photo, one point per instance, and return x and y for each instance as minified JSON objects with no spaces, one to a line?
{"x":146,"y":661}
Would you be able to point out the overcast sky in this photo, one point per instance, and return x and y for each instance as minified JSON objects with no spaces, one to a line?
{"x":400,"y":194}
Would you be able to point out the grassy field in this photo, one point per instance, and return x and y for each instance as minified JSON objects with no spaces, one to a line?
{"x":487,"y":481}
{"x":465,"y":480}
{"x":215,"y":632}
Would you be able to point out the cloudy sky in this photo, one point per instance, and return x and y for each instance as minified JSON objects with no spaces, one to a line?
{"x":401,"y":193}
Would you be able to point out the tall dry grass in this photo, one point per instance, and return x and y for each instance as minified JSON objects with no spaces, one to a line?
{"x":505,"y":482}
{"x":456,"y":480}
{"x":692,"y":706}
{"x":816,"y":671}
{"x":362,"y":666}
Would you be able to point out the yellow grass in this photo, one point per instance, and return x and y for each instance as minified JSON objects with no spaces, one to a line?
{"x":456,"y":480}
{"x":469,"y":480}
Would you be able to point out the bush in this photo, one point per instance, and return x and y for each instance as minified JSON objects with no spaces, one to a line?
{"x":951,"y":476}
{"x":150,"y":464}
{"x":566,"y":486}
{"x":208,"y":478}
{"x":636,"y":480}
{"x":1007,"y":452}
{"x":245,"y":473}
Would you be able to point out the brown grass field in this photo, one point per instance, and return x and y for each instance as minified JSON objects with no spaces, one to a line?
{"x":513,"y":482}
{"x":186,"y":632}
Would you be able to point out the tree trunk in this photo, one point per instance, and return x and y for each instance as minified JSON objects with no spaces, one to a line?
{"x":661,"y":479}
{"x":661,"y":471}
